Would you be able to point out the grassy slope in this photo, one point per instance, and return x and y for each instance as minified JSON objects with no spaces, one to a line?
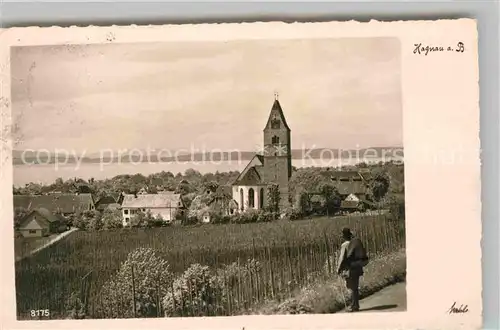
{"x":326,"y":296}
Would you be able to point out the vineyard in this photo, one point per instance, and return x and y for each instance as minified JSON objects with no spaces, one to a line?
{"x":241,"y":266}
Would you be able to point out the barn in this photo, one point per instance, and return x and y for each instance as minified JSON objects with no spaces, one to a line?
{"x":41,"y":222}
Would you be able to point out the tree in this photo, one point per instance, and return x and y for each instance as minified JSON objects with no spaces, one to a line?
{"x":273,"y":197}
{"x":303,"y":203}
{"x":111,"y":219}
{"x":19,"y":214}
{"x":78,"y":220}
{"x":92,"y":220}
{"x":138,"y":287}
{"x":211,"y":186}
{"x":183,"y":188}
{"x":139,"y":220}
{"x":332,"y":198}
{"x":379,"y":186}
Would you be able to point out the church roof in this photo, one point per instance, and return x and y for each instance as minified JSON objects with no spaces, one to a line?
{"x":251,"y":177}
{"x":276,"y":108}
{"x":254,"y":165}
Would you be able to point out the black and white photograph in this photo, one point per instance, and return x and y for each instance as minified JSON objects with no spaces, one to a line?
{"x":209,"y":179}
{"x":215,"y":178}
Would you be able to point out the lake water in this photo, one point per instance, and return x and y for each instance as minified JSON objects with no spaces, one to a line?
{"x":48,"y":173}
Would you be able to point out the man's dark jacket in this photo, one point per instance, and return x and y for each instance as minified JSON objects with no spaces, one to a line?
{"x":356,"y":257}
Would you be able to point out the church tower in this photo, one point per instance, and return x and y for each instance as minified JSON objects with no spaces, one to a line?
{"x":277,"y":152}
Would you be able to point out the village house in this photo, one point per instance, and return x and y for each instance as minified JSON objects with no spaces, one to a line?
{"x":220,"y":203}
{"x":166,"y":205}
{"x":273,"y":165}
{"x":65,"y":204}
{"x":111,"y":201}
{"x":41,"y":222}
{"x":353,"y":187}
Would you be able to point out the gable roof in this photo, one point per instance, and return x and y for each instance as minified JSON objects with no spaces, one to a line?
{"x":254,"y":165}
{"x":224,"y":189}
{"x":65,"y":203}
{"x":345,"y":175}
{"x":276,"y":109}
{"x":151,"y":201}
{"x":347,"y":188}
{"x":105,"y":200}
{"x":366,"y":175}
{"x":250,"y":177}
{"x":46,"y":217}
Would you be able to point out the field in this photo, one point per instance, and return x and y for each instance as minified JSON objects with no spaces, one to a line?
{"x":288,"y":253}
{"x":24,"y":246}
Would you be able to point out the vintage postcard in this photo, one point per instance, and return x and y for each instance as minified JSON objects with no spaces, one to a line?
{"x":230,"y":176}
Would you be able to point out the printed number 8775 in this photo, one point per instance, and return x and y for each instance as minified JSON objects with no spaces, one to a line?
{"x":40,"y":312}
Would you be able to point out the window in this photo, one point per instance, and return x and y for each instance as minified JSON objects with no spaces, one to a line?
{"x":32,"y":231}
{"x":275,"y":140}
{"x":261,"y":199}
{"x":125,"y":211}
{"x":251,"y":198}
{"x":231,"y":211}
{"x":241,"y":199}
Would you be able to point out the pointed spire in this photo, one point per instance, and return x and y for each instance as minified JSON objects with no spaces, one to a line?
{"x":277,"y":112}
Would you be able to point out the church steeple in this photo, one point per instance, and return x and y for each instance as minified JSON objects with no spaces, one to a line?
{"x":277,"y":151}
{"x":276,"y":118}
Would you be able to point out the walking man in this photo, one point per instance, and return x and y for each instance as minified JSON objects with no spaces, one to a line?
{"x":350,"y":265}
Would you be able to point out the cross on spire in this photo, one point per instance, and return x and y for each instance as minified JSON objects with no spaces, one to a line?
{"x":276,"y":95}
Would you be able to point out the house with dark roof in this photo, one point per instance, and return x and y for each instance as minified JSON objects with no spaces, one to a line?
{"x":349,"y":182}
{"x":353,"y":187}
{"x":65,"y":204}
{"x":42,"y":222}
{"x":272,"y":165}
{"x":111,"y":201}
{"x":166,"y":205}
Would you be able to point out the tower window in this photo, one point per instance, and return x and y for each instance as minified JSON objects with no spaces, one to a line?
{"x":275,"y":123}
{"x":275,"y":140}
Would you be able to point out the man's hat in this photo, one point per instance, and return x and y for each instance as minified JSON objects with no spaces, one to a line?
{"x":346,"y":232}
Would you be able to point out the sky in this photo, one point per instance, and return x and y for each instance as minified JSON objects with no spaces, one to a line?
{"x":335,"y":93}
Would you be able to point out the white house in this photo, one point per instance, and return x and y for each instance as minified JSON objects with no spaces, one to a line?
{"x":166,"y":205}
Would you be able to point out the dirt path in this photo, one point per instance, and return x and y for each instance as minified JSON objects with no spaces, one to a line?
{"x":49,"y":243}
{"x":390,"y":299}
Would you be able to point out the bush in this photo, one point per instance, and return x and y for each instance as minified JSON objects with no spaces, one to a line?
{"x":264,"y":216}
{"x":190,"y":220}
{"x":249,"y":216}
{"x":197,"y":292}
{"x":111,"y":219}
{"x":151,"y":280}
{"x":293,"y":213}
{"x":217,"y":219}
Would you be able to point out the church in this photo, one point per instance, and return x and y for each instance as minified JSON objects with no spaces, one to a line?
{"x":272,"y":165}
